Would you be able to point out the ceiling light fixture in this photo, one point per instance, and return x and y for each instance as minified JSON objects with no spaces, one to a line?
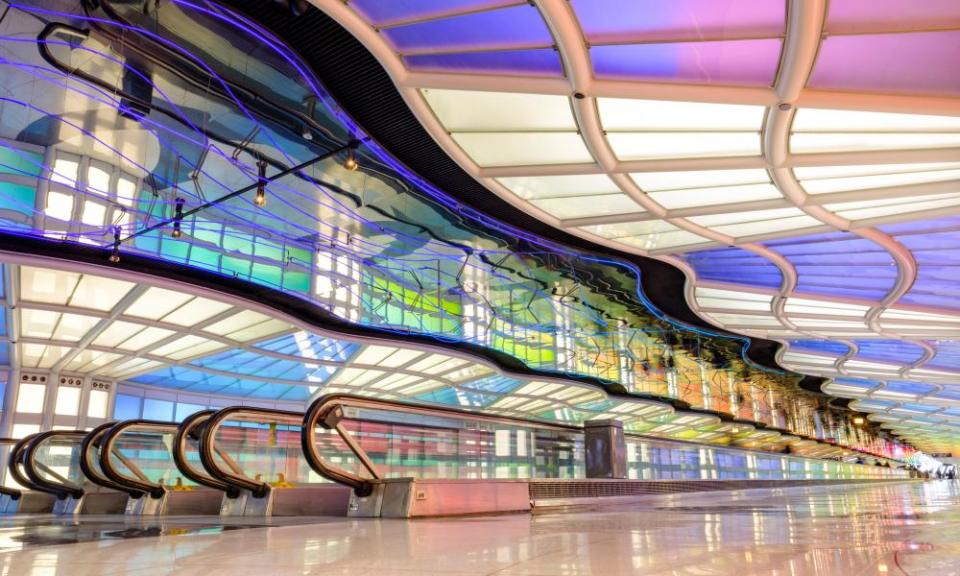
{"x":261,"y":198}
{"x":115,"y":253}
{"x":350,"y":162}
{"x":177,"y":217}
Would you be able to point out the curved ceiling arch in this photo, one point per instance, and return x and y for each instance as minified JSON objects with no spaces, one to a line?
{"x":812,"y":157}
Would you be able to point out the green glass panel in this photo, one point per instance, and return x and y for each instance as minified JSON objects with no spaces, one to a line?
{"x":236,"y":266}
{"x":207,"y":231}
{"x":233,"y":241}
{"x":17,"y":197}
{"x":296,"y":281}
{"x":268,"y":250}
{"x":174,"y":249}
{"x":20,"y":162}
{"x":204,"y":257}
{"x":149,"y":242}
{"x":267,"y":274}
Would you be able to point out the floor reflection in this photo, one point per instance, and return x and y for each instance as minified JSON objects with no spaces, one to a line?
{"x":909,"y":528}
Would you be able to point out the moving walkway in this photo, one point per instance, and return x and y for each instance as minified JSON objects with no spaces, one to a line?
{"x":361,"y":456}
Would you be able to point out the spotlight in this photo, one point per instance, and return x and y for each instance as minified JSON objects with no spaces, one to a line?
{"x":177,"y":217}
{"x":858,"y":420}
{"x":115,"y":253}
{"x":261,"y":198}
{"x":350,"y":162}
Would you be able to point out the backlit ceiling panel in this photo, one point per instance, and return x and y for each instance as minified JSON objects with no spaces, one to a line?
{"x":800,"y":161}
{"x":120,"y":121}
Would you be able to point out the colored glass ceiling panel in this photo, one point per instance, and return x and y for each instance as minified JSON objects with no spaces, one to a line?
{"x":947,"y":357}
{"x":734,"y":265}
{"x":824,"y":262}
{"x":515,"y":27}
{"x":860,"y":16}
{"x":895,"y":351}
{"x":935,"y":245}
{"x":545,"y":61}
{"x":750,"y":62}
{"x":631,"y":20}
{"x":924,"y":62}
{"x":380,"y":12}
{"x":828,"y":347}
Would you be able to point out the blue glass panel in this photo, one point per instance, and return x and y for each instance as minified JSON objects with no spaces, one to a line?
{"x":947,"y":357}
{"x":126,"y":407}
{"x":734,"y":265}
{"x":920,"y":407}
{"x":936,"y":246}
{"x":154,"y":409}
{"x":184,"y":410}
{"x":516,"y":27}
{"x":861,"y":382}
{"x":752,"y":62}
{"x":908,"y":387}
{"x":820,"y":346}
{"x":3,"y":316}
{"x":497,"y":384}
{"x":888,"y":351}
{"x":539,"y":61}
{"x":18,"y":197}
{"x":378,"y":12}
{"x":839,"y":264}
{"x":311,"y":346}
{"x":3,"y":271}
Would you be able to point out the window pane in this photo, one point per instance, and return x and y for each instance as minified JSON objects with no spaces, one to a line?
{"x":184,"y":410}
{"x":126,"y":407}
{"x":30,"y":398}
{"x":59,"y":205}
{"x":97,"y":404}
{"x":24,"y":430}
{"x":68,"y":401}
{"x":65,"y":170}
{"x":157,"y":410}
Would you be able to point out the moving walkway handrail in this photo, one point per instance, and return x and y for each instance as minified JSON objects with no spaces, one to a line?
{"x":89,"y":457}
{"x":192,"y":428}
{"x":15,"y":461}
{"x":209,"y":450}
{"x":140,"y":485}
{"x":28,"y":458}
{"x":13,"y":493}
{"x":327,"y":411}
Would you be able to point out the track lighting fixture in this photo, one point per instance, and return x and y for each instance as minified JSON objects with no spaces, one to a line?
{"x":350,"y":161}
{"x":115,"y":253}
{"x":261,"y":198}
{"x":177,"y":217}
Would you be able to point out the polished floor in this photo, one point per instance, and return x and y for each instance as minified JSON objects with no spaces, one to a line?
{"x":895,"y":529}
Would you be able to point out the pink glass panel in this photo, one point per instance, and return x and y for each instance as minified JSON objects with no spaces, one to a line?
{"x":919,"y":62}
{"x":846,"y":16}
{"x":636,"y":20}
{"x":751,"y":62}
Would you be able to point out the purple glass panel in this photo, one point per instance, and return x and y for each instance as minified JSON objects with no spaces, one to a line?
{"x":379,"y":12}
{"x":908,"y":387}
{"x":517,"y":27}
{"x":896,"y":351}
{"x":734,"y":265}
{"x":948,"y":356}
{"x":839,"y":264}
{"x":635,"y":20}
{"x":846,"y":16}
{"x":935,"y":245}
{"x":924,"y":62}
{"x":751,"y":62}
{"x":524,"y":62}
{"x":827,"y":347}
